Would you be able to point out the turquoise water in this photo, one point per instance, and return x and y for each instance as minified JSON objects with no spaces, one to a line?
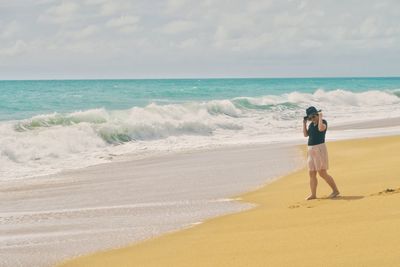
{"x":49,"y":126}
{"x":24,"y":99}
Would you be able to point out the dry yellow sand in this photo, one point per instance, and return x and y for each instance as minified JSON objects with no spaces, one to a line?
{"x":360,"y":228}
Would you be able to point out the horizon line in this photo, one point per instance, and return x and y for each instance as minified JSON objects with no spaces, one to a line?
{"x":201,"y":78}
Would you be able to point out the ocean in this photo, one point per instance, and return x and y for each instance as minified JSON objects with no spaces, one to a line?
{"x":48,"y":126}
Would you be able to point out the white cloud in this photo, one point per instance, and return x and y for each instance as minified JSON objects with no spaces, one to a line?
{"x":311,"y":43}
{"x":83,"y":33}
{"x":178,"y":26}
{"x":9,"y":30}
{"x":369,"y":28}
{"x":125,"y":24}
{"x":109,"y":8}
{"x":175,"y":5}
{"x":259,"y":6}
{"x":15,"y":49}
{"x":61,"y":13}
{"x":187,"y":36}
{"x":188,"y":43}
{"x":122,"y":21}
{"x":95,"y":2}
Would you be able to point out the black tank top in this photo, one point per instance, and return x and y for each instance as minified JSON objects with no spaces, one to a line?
{"x":316,"y":137}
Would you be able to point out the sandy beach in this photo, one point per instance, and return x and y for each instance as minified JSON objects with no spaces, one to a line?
{"x":359,"y":228}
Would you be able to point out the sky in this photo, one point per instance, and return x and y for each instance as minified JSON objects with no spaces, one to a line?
{"x":106,"y":39}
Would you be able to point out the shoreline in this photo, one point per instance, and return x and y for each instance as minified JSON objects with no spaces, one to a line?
{"x":341,"y":131}
{"x":112,"y":205}
{"x":74,"y":180}
{"x":228,"y":239}
{"x":369,"y":124}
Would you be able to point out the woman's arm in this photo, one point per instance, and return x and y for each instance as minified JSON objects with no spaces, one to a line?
{"x":321,"y":125}
{"x":305,"y":132}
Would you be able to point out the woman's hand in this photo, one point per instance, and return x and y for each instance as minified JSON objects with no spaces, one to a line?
{"x":321,"y":125}
{"x":305,"y":132}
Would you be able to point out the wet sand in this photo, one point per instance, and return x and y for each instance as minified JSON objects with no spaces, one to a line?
{"x":359,"y":228}
{"x":45,"y":220}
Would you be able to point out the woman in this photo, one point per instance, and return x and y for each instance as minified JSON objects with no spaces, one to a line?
{"x":317,"y":153}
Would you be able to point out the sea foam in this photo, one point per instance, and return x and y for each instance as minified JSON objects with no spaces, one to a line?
{"x":52,"y":142}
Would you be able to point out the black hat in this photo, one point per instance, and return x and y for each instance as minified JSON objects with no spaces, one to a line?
{"x":310,"y":111}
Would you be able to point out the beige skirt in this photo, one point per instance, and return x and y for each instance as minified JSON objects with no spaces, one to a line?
{"x":317,"y":157}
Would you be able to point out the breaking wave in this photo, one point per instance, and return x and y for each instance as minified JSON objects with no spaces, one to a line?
{"x":53,"y":141}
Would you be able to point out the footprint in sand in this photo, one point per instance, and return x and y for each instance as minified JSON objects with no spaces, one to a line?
{"x":323,"y":200}
{"x":296,"y":206}
{"x":387,"y":191}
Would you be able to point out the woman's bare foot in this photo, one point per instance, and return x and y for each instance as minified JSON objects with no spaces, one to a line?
{"x":334,"y":194}
{"x":311,"y":197}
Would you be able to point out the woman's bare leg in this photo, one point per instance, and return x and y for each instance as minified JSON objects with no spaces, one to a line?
{"x":313,"y":185}
{"x":330,"y":181}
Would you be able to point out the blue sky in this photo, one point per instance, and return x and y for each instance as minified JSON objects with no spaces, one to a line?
{"x":49,"y":39}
